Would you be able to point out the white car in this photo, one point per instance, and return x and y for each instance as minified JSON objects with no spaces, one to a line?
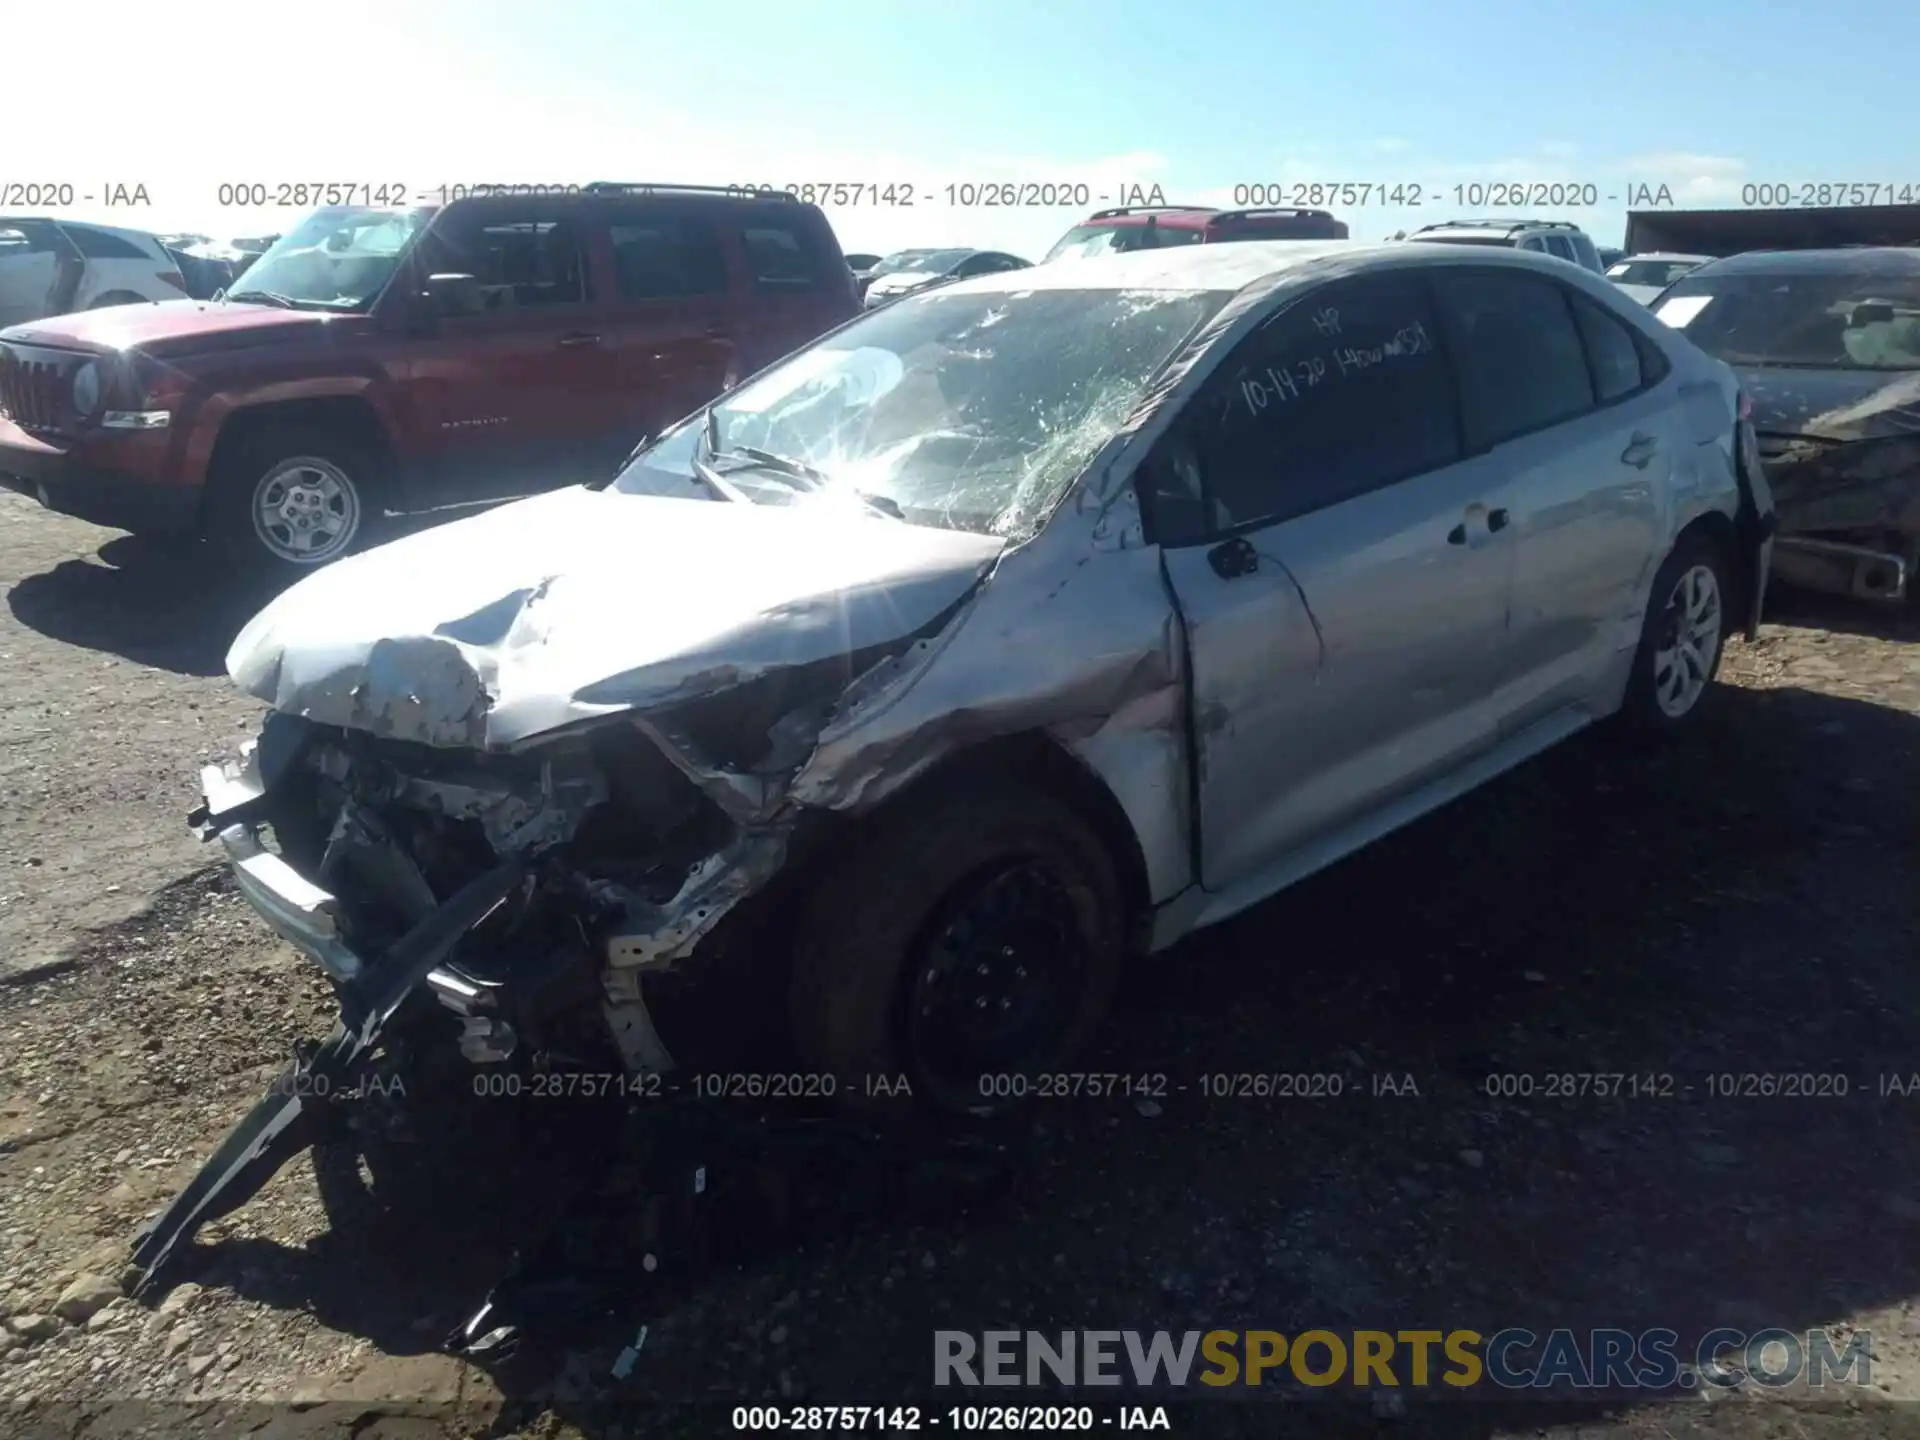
{"x":1645,"y":277}
{"x":53,"y":267}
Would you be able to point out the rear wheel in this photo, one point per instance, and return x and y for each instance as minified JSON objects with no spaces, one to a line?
{"x":1681,"y":639}
{"x":967,"y":942}
{"x":294,"y":498}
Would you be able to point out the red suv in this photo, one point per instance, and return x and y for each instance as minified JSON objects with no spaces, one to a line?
{"x":391,"y":360}
{"x":1147,"y":227}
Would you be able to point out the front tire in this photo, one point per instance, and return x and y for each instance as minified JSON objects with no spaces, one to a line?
{"x":969,"y":934}
{"x":295,"y":498}
{"x":1681,"y":639}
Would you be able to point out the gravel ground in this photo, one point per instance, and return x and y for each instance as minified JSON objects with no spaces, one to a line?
{"x":1744,"y":902}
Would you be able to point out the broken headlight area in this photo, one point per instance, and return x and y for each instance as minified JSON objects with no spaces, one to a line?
{"x":360,"y":839}
{"x":507,"y":905}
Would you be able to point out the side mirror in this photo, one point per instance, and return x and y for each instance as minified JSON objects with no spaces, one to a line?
{"x":1872,"y":313}
{"x":454,"y":295}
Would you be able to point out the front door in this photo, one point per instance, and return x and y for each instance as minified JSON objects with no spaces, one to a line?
{"x":502,"y":396}
{"x":1343,"y":575}
{"x":1555,"y":390}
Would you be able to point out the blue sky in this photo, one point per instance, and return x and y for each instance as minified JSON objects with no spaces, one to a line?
{"x":1197,"y":97}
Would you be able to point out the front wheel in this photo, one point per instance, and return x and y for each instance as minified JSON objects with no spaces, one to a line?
{"x":968,"y":941}
{"x":1681,"y":639}
{"x":296,"y":498}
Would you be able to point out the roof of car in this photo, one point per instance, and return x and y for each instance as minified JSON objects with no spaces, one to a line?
{"x":1895,"y":259}
{"x":1234,"y":267}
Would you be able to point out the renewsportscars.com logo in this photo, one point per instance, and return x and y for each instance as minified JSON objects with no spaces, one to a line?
{"x":1510,"y":1359}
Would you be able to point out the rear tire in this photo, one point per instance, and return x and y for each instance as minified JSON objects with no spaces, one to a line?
{"x":295,"y":497}
{"x":1681,"y":639}
{"x":970,"y":933}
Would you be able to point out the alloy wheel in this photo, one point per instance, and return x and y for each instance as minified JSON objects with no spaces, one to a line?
{"x":1689,"y":641}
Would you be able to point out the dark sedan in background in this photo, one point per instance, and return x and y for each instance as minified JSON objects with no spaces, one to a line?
{"x":911,"y":271}
{"x":1827,"y":346}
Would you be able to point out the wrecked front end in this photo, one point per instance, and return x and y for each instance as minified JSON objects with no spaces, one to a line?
{"x":508,"y":904}
{"x":1849,"y":512}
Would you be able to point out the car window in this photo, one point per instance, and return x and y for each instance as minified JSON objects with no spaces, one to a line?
{"x":658,"y":257}
{"x":1610,"y":349}
{"x":1560,"y":246}
{"x":1842,"y":320}
{"x":26,"y":237}
{"x":1661,"y":273}
{"x":103,"y":245}
{"x":777,"y":256}
{"x":1531,"y":242}
{"x":1344,"y":392}
{"x":519,"y":261}
{"x":1584,"y":254}
{"x":1521,"y":364}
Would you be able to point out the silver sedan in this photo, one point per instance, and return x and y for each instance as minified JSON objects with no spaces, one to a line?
{"x":1045,"y":617}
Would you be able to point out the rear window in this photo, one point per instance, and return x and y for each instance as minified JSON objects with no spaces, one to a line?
{"x":1281,"y":227}
{"x":1800,"y":321}
{"x":103,"y":244}
{"x":1085,"y":241}
{"x":783,"y":254}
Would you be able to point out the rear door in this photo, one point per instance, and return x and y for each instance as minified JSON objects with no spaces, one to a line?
{"x":506,"y":399}
{"x":795,"y":285}
{"x":1554,"y":395}
{"x":670,"y":318}
{"x":1327,"y":540}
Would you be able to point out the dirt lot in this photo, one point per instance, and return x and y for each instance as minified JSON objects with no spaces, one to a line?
{"x":1743,"y":903}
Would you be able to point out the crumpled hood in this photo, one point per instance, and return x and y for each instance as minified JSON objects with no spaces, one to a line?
{"x":494,"y":629}
{"x":171,"y":326}
{"x":1833,"y":404}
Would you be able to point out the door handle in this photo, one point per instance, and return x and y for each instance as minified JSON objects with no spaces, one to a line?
{"x":1640,"y":451}
{"x":579,"y":337}
{"x":1497,"y":520}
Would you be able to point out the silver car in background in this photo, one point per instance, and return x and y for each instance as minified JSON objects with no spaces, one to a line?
{"x":1007,"y":630}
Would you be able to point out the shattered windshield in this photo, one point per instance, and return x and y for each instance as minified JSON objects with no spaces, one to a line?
{"x":965,"y":412}
{"x":339,"y":258}
{"x":1802,"y":321}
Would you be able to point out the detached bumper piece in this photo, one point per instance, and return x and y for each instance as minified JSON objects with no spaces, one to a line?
{"x":371,"y":990}
{"x":1838,"y":569}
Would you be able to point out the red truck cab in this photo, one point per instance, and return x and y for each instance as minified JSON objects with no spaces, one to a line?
{"x":378,"y":361}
